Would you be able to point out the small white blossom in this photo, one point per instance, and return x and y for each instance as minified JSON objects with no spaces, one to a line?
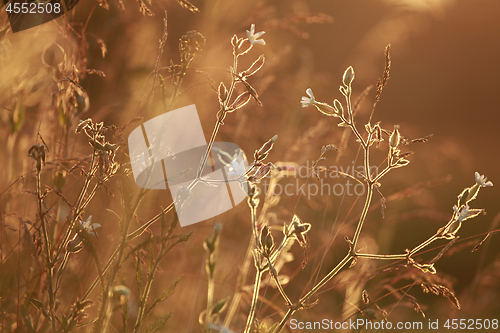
{"x":254,"y":37}
{"x":89,"y":227}
{"x":236,"y":169}
{"x":119,"y":294}
{"x":462,"y":214}
{"x":306,"y":102}
{"x":481,"y":180}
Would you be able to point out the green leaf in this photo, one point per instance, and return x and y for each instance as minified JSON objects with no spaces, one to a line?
{"x":219,"y":306}
{"x":36,"y":303}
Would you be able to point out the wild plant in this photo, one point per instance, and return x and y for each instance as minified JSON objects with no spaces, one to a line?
{"x":266,"y":250}
{"x":53,"y":246}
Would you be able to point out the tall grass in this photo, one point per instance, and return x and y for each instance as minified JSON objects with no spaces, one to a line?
{"x":84,"y":249}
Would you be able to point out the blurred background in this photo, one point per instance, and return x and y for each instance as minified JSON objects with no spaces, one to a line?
{"x":444,"y":81}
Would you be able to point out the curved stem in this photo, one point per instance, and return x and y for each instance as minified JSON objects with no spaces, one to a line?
{"x":362,"y":219}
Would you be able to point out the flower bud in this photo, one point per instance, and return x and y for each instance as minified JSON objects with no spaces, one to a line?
{"x":298,"y":230}
{"x":266,"y":241}
{"x":265,"y":149}
{"x":473,"y":192}
{"x":37,"y":152}
{"x":261,"y":172}
{"x":119,"y":294}
{"x":338,"y":106}
{"x":222,"y":93}
{"x":241,"y":100}
{"x":348,"y":76}
{"x":395,"y":137}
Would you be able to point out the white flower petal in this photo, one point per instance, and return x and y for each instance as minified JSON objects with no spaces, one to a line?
{"x":481,"y":180}
{"x":309,"y":93}
{"x":254,"y":37}
{"x":88,"y":222}
{"x":477,"y":176}
{"x":308,"y":101}
{"x":258,"y":34}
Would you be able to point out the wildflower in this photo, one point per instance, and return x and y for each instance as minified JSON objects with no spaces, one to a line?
{"x":119,"y":294}
{"x":74,"y":245}
{"x":481,"y":180}
{"x":466,"y":213}
{"x":254,"y":37}
{"x":298,"y":230}
{"x":306,"y":102}
{"x":462,"y":213}
{"x":236,"y":168}
{"x":89,"y":227}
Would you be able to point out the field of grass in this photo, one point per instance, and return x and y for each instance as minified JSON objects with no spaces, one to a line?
{"x":370,"y":133}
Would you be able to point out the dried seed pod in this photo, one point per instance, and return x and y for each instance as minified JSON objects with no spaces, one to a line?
{"x":395,"y":137}
{"x":261,"y":172}
{"x":241,"y":101}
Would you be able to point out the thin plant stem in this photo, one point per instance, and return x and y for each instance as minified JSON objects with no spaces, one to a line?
{"x":248,"y":256}
{"x":147,"y":288}
{"x":210,"y":300}
{"x":104,"y":314}
{"x":50,"y":267}
{"x":255,"y":298}
{"x":382,"y":256}
{"x":280,"y":287}
{"x":362,"y":219}
{"x":83,"y":191}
